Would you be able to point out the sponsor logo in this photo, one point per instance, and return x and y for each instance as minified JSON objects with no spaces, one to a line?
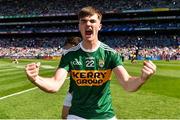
{"x":91,"y":77}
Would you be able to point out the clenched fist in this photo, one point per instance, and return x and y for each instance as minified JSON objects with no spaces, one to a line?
{"x":32,"y":71}
{"x":148,"y":69}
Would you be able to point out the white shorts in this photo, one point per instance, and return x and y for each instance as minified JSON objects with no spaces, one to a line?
{"x":74,"y":117}
{"x":68,"y":99}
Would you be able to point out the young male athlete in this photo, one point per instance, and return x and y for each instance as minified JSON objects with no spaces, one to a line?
{"x":90,"y":65}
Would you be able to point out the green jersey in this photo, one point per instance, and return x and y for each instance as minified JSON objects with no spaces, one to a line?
{"x":90,"y":73}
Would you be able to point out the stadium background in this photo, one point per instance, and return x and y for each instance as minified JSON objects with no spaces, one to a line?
{"x":38,"y":29}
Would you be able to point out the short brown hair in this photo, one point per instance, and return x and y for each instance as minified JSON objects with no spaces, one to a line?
{"x":89,"y":10}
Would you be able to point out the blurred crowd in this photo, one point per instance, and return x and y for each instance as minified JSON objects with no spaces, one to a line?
{"x":31,"y":47}
{"x":105,"y":28}
{"x":155,"y":47}
{"x":45,"y":7}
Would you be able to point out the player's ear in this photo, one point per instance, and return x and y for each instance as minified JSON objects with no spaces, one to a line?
{"x":100,"y":26}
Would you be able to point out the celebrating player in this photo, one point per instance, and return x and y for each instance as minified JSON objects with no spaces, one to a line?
{"x":90,"y":64}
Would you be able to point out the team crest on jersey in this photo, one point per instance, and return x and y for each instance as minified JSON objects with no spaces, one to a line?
{"x":101,"y":63}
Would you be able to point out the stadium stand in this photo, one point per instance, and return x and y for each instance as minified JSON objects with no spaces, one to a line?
{"x":40,"y":28}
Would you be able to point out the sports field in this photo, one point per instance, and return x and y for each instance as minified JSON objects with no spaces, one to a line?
{"x":159,"y":98}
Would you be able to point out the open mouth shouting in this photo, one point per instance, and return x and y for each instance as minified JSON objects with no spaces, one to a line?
{"x":88,"y":33}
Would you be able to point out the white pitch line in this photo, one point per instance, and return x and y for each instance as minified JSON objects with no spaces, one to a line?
{"x":1,"y":98}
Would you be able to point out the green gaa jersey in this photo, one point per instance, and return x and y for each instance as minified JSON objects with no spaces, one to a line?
{"x":90,"y":73}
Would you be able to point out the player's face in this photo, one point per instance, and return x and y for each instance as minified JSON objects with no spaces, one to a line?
{"x":89,"y":27}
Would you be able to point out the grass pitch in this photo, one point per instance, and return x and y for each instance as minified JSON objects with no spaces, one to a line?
{"x":159,"y":98}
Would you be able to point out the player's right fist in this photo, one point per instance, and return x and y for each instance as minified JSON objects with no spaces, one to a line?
{"x":32,"y":71}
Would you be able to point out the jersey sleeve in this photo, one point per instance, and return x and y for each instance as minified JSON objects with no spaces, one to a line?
{"x":116,"y":60}
{"x":64,"y":63}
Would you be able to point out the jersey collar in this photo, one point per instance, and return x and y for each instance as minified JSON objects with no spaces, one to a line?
{"x":90,"y":50}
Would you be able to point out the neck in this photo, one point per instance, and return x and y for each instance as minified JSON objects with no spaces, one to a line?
{"x":90,"y":45}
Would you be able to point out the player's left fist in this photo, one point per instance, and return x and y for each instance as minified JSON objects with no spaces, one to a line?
{"x":148,"y":70}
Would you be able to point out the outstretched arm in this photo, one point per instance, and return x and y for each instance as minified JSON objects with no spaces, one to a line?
{"x":132,"y":83}
{"x":52,"y":84}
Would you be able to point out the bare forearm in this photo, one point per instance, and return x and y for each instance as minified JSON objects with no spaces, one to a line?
{"x":133,"y":84}
{"x":130,"y":83}
{"x":47,"y":84}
